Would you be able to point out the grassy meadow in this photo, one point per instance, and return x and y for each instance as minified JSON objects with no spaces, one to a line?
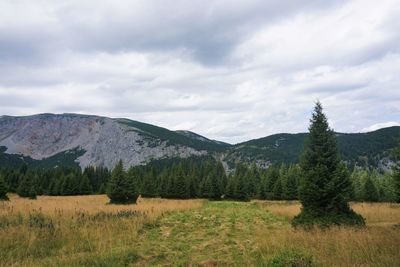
{"x":85,"y":231}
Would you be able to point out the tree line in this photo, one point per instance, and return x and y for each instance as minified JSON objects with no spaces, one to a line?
{"x":189,"y":178}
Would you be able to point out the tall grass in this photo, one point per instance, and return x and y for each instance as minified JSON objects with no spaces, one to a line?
{"x":86,"y":231}
{"x":77,"y":231}
{"x":378,"y":244}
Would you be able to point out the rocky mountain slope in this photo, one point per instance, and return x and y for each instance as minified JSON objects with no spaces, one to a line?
{"x":98,"y":140}
{"x":49,"y":140}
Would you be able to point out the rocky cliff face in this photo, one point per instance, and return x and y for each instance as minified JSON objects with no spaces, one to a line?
{"x":103,"y":140}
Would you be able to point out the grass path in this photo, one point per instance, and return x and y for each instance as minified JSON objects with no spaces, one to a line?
{"x":219,"y":233}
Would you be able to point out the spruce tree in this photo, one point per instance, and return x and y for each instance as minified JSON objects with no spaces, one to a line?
{"x":85,"y":188}
{"x":3,"y":188}
{"x":27,"y":188}
{"x":261,"y":190}
{"x":181,"y":187}
{"x":241,"y":190}
{"x":370,"y":191}
{"x":148,"y":185}
{"x":277,"y":189}
{"x":272,"y":177}
{"x":121,"y":189}
{"x":132,"y":192}
{"x":325,"y":185}
{"x":69,"y":186}
{"x":211,"y":187}
{"x":291,"y":183}
{"x":102,"y":189}
{"x":231,"y":187}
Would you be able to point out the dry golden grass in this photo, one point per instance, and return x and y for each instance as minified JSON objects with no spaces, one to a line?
{"x":382,"y":214}
{"x":76,"y":231}
{"x":287,"y":209}
{"x":378,"y":244}
{"x":374,"y":213}
{"x":52,"y":205}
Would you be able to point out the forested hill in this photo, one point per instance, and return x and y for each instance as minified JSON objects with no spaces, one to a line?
{"x":49,"y":140}
{"x":364,"y":148}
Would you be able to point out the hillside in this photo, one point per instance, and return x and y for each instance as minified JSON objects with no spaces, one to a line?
{"x":48,"y":140}
{"x":362,"y":148}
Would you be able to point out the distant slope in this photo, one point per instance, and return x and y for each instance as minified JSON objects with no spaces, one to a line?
{"x":358,"y":148}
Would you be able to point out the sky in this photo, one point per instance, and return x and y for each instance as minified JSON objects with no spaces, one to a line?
{"x":228,"y":70}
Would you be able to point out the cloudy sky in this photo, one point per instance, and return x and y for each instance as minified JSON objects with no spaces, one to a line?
{"x":229,"y":70}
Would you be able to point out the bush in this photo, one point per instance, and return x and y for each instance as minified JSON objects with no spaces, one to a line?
{"x":291,"y":258}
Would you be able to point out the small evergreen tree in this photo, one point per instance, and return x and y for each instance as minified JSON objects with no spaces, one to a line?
{"x":85,"y":188}
{"x":69,"y":186}
{"x":277,"y":189}
{"x":3,"y":189}
{"x":181,"y":187}
{"x":370,"y":191}
{"x":27,"y":188}
{"x":211,"y":188}
{"x":231,"y":187}
{"x":102,"y":189}
{"x":121,"y":190}
{"x":272,"y":177}
{"x":241,"y":189}
{"x":261,"y":189}
{"x":325,"y":185}
{"x":291,"y":186}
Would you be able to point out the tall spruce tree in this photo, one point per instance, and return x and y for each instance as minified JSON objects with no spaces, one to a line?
{"x":325,"y":185}
{"x":3,"y":188}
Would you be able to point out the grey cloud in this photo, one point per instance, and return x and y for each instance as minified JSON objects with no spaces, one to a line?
{"x":207,"y":31}
{"x":204,"y":65}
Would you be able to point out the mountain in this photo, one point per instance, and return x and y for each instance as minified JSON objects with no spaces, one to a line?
{"x":71,"y":139}
{"x":48,"y":140}
{"x":362,"y":148}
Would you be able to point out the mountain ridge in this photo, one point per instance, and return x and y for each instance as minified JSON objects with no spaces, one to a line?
{"x":99,"y":140}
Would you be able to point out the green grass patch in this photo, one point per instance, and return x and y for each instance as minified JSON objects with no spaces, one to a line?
{"x":222,"y":231}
